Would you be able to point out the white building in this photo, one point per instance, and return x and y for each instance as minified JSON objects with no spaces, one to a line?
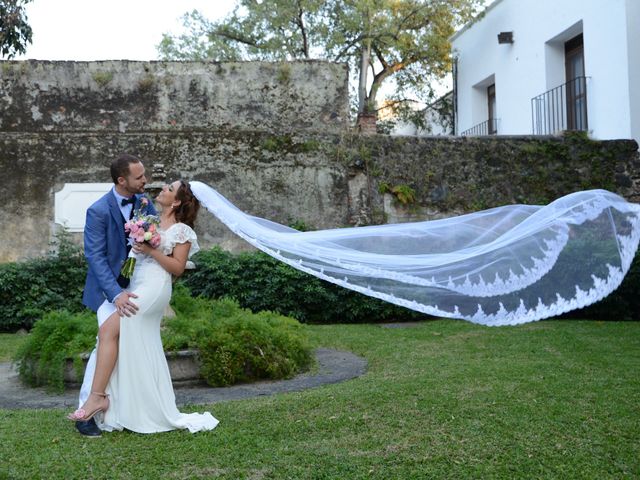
{"x":437,"y":118}
{"x":544,"y":66}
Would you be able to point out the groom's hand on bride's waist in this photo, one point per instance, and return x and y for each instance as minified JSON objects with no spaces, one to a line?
{"x":124,"y":305}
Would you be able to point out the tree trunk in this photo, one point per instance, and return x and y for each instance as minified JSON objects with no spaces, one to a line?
{"x":365,"y":59}
{"x":366,"y":123}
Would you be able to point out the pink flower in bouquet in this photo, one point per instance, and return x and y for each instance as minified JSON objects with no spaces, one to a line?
{"x":141,"y":228}
{"x":155,"y":241}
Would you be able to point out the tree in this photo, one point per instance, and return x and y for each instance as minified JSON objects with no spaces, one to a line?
{"x":15,"y":32}
{"x":407,"y":40}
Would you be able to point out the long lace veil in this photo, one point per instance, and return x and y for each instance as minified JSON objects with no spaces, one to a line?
{"x":502,"y":266}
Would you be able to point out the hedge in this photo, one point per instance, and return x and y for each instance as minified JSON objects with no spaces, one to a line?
{"x":258,"y":282}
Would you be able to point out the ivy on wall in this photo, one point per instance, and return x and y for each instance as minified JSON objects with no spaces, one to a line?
{"x":455,"y":175}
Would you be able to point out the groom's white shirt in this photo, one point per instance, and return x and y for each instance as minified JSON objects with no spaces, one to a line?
{"x":124,"y":209}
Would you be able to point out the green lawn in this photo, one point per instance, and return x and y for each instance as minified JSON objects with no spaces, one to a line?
{"x":447,"y":399}
{"x":9,"y":345}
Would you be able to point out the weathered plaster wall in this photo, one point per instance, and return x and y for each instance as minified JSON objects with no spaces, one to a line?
{"x":126,"y":96}
{"x":278,"y":185}
{"x":271,"y":137}
{"x":64,"y":122}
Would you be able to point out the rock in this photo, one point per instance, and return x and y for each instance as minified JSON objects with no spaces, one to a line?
{"x":184,"y":368}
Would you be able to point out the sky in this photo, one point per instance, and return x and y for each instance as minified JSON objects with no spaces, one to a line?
{"x":117,"y":29}
{"x":108,"y":30}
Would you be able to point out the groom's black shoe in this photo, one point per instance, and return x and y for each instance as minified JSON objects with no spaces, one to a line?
{"x":89,"y":428}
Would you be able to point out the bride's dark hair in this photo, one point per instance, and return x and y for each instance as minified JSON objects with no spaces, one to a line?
{"x":187,"y":211}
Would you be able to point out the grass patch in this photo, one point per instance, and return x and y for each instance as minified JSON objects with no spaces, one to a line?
{"x":446,"y":399}
{"x":9,"y":345}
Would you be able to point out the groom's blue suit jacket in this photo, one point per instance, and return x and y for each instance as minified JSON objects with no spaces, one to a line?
{"x":105,"y":248}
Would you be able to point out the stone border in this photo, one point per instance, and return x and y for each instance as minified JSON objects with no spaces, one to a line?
{"x":333,"y":366}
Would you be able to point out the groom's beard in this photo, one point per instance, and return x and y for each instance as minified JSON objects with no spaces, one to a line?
{"x":132,"y":191}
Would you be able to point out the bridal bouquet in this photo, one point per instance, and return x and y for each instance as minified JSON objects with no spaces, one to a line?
{"x":141,"y":228}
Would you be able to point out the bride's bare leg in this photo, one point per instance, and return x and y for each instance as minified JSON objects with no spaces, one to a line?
{"x":107,"y":354}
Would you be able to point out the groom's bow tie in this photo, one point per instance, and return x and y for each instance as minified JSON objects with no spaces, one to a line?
{"x":126,"y":201}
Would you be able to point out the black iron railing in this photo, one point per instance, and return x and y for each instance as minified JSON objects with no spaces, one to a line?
{"x":488,"y":127}
{"x":561,"y":108}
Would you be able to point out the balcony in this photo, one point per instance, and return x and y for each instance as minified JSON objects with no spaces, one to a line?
{"x":561,"y":108}
{"x":488,"y":127}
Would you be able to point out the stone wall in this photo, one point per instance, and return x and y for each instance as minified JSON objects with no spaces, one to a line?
{"x":63,"y":122}
{"x":282,"y":186}
{"x":454,"y":175}
{"x":272,"y":137}
{"x":168,"y":97}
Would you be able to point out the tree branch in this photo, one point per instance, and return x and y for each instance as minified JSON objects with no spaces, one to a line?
{"x":362,"y":37}
{"x":389,"y":70}
{"x":303,"y":30}
{"x":407,"y":17}
{"x":393,"y":103}
{"x":386,"y":72}
{"x":351,"y":44}
{"x":236,"y":38}
{"x":381,"y":59}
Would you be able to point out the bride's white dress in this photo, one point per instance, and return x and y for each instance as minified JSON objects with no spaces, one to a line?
{"x":140,"y":390}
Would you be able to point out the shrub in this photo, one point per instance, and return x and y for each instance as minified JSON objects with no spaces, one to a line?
{"x":263,"y":345}
{"x":251,"y":347}
{"x":194,"y":317}
{"x":54,"y":338}
{"x":234,"y":344}
{"x":622,"y":304}
{"x":29,"y":289}
{"x":260,"y":282}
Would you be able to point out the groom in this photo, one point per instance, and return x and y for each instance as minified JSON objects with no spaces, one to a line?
{"x":105,"y":248}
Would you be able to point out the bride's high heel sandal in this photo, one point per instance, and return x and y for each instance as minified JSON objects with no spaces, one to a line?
{"x":81,"y":415}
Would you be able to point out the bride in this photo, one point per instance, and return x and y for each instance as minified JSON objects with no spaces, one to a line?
{"x":132,"y":387}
